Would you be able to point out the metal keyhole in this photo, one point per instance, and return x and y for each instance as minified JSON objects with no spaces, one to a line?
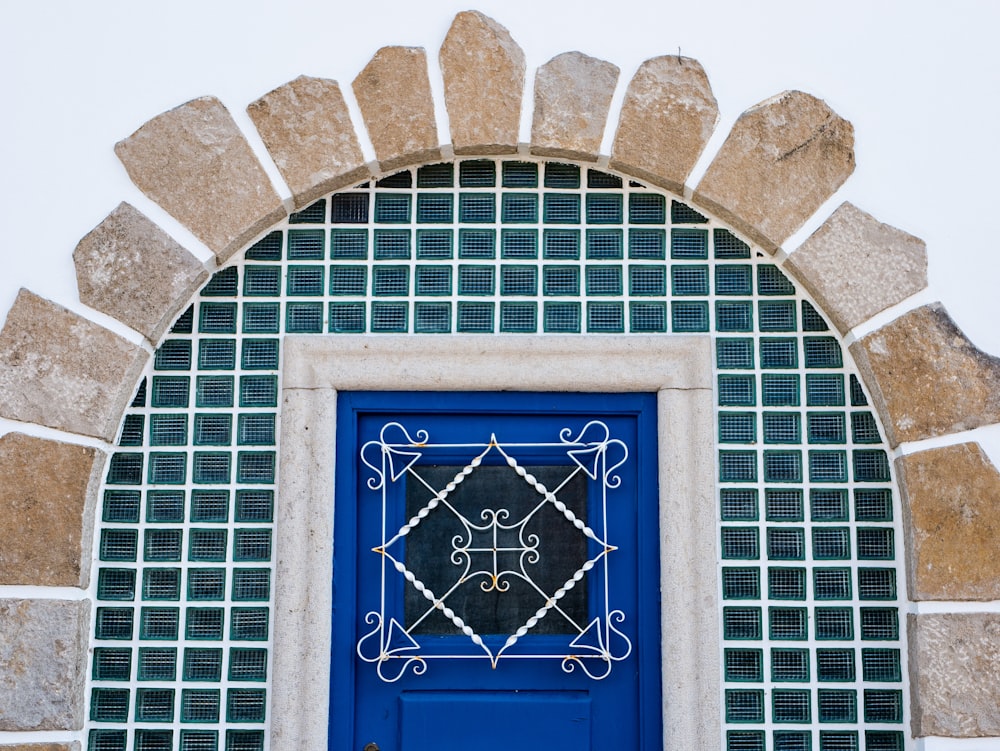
{"x":371,"y":747}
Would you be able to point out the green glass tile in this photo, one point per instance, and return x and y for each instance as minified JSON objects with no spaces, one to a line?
{"x":520,"y":175}
{"x":786,"y":544}
{"x":217,"y":318}
{"x":778,"y":353}
{"x":733,"y":354}
{"x":157,"y":664}
{"x":113,"y":623}
{"x":401,"y":179}
{"x":259,"y":354}
{"x":478,"y":280}
{"x":306,"y":245}
{"x":605,"y":244}
{"x":112,"y":664}
{"x":154,"y":705}
{"x":811,"y":319}
{"x":647,"y":208}
{"x":125,"y":469}
{"x":864,"y":428}
{"x":870,"y":465}
{"x":603,"y":280}
{"x":167,"y":469}
{"x":770,"y":281}
{"x":519,"y":208}
{"x":881,"y":665}
{"x":209,"y":505}
{"x":251,"y":584}
{"x":647,"y":317}
{"x":217,"y":354}
{"x":518,"y":243}
{"x":827,"y":466}
{"x":791,"y":705}
{"x":436,"y":176}
{"x":262,"y":281}
{"x":733,"y":279}
{"x":604,"y":208}
{"x":433,"y":208}
{"x":475,"y":317}
{"x":158,"y":623}
{"x":349,"y":208}
{"x":348,"y":244}
{"x":434,"y":244}
{"x":314,"y":213}
{"x":689,"y":317}
{"x":561,"y":208}
{"x":779,"y":390}
{"x":605,"y":317}
{"x":261,"y":318}
{"x":390,"y":317}
{"x":561,"y":244}
{"x":223,"y":283}
{"x":211,"y":467}
{"x":744,"y":705}
{"x":597,"y":179}
{"x":249,"y":624}
{"x":562,"y":317}
{"x":648,"y":244}
{"x":258,"y":391}
{"x":826,"y":427}
{"x":689,"y":244}
{"x":681,"y":213}
{"x":431,"y":281}
{"x":560,"y":280}
{"x":392,"y":244}
{"x":173,"y":354}
{"x":392,"y":208}
{"x":252,"y":545}
{"x":168,"y":430}
{"x":559,"y":175}
{"x":647,"y":280}
{"x":831,"y":543}
{"x":832,"y":583}
{"x":749,"y":740}
{"x":245,"y":705}
{"x":731,"y":316}
{"x":432,"y":317}
{"x":884,"y":740}
{"x":727,"y":245}
{"x":738,"y":504}
{"x":737,"y":466}
{"x":737,"y":391}
{"x":858,"y":398}
{"x":783,"y":505}
{"x":786,"y":584}
{"x":792,"y":740}
{"x":836,"y":624}
{"x":244,"y":740}
{"x":740,"y":583}
{"x":743,"y":665}
{"x":835,"y":665}
{"x":256,"y":430}
{"x":477,"y":208}
{"x":477,"y":243}
{"x":873,"y":505}
{"x":162,"y":545}
{"x":737,"y":427}
{"x":518,"y":317}
{"x":255,"y":467}
{"x":782,"y":427}
{"x":139,"y":400}
{"x":689,"y":280}
{"x":254,"y":505}
{"x":790,"y":665}
{"x":203,"y":624}
{"x":390,"y":281}
{"x":109,"y":704}
{"x":247,"y":664}
{"x":208,"y":544}
{"x":787,"y":624}
{"x":740,"y":543}
{"x":347,"y":318}
{"x":876,"y":583}
{"x":741,"y":623}
{"x":266,"y":249}
{"x":828,"y":505}
{"x":305,"y":280}
{"x":116,"y":584}
{"x":777,"y":315}
{"x":202,"y":664}
{"x":837,"y":705}
{"x":200,"y":705}
{"x":879,"y":624}
{"x":206,"y":584}
{"x":304,"y":318}
{"x":822,"y":352}
{"x":348,"y":280}
{"x":478,"y":173}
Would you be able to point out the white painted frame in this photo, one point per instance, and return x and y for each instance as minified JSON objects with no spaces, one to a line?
{"x":677,"y":369}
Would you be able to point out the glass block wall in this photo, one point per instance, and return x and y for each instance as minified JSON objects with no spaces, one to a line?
{"x":810,"y":580}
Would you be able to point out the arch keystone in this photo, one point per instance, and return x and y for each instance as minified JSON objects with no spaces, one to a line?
{"x":307,"y":129}
{"x":783,"y":158}
{"x":483,"y":70}
{"x":572,"y":98}
{"x":667,"y":117}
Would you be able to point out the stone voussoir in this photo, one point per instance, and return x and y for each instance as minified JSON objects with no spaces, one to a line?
{"x":195,"y":162}
{"x":308,"y":132}
{"x":483,"y":70}
{"x":572,"y":98}
{"x":43,"y":658}
{"x":955,"y":674}
{"x":667,"y":117}
{"x":394,"y":94}
{"x":856,"y":266}
{"x":927,"y":379}
{"x":783,"y":158}
{"x":132,"y":270}
{"x":64,"y":371}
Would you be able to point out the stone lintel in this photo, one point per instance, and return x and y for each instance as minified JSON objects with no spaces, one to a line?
{"x":667,"y":117}
{"x":64,"y":371}
{"x":308,"y":131}
{"x":955,"y":674}
{"x":572,"y":98}
{"x":195,"y":163}
{"x":43,"y":659}
{"x":69,"y":746}
{"x":856,"y":266}
{"x":130,"y":269}
{"x":394,"y":94}
{"x":927,"y":379}
{"x":783,"y":158}
{"x":483,"y":70}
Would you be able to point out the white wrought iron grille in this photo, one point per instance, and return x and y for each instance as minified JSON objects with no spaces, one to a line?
{"x":809,"y":522}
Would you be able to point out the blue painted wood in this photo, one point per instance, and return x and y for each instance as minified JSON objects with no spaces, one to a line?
{"x":524,"y":704}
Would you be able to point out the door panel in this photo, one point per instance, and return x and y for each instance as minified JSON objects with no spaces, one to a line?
{"x":495,"y":572}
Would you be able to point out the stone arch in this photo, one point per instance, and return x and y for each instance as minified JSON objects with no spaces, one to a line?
{"x":782,"y":160}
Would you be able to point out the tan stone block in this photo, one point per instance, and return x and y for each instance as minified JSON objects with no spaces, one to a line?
{"x":64,"y":371}
{"x":308,"y":131}
{"x":667,"y":117}
{"x":572,"y":98}
{"x":926,"y":378}
{"x":43,"y":658}
{"x":42,"y":747}
{"x":43,"y":498}
{"x":483,"y":70}
{"x":394,"y":94}
{"x":783,"y":158}
{"x":195,"y":163}
{"x":955,"y":674}
{"x":132,"y":270}
{"x":855,"y":266}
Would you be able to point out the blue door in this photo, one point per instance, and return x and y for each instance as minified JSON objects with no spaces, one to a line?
{"x":496,"y":573}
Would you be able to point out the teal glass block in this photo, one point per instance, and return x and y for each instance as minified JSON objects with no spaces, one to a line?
{"x":786,"y":544}
{"x":737,"y":466}
{"x":304,"y":318}
{"x":168,"y":430}
{"x":738,"y":504}
{"x":200,"y":705}
{"x":731,"y":279}
{"x":305,"y":281}
{"x":436,"y":176}
{"x":347,"y":318}
{"x":162,"y":545}
{"x":223,"y":283}
{"x":689,"y":280}
{"x":792,"y":740}
{"x":884,"y":740}
{"x":835,"y":665}
{"x":864,"y":429}
{"x":520,"y":174}
{"x":778,"y":353}
{"x":250,"y":584}
{"x":728,"y":246}
{"x":777,"y":315}
{"x":647,"y":280}
{"x":562,"y":317}
{"x":879,"y":624}
{"x":348,"y":280}
{"x":167,"y":469}
{"x":435,"y":244}
{"x":837,"y":705}
{"x":681,"y":213}
{"x":199,"y":740}
{"x":734,"y":354}
{"x":206,"y":584}
{"x":827,"y":466}
{"x":249,"y":624}
{"x":214,"y":391}
{"x":749,"y":740}
{"x":109,"y":705}
{"x":560,"y":280}
{"x":217,"y":318}
{"x":431,"y":281}
{"x":262,"y":281}
{"x":216,"y":354}
{"x":561,"y":208}
{"x":783,"y":504}
{"x":744,"y":665}
{"x":247,"y":664}
{"x":647,"y":208}
{"x":827,"y":505}
{"x":737,"y":391}
{"x":519,"y":208}
{"x":475,"y":317}
{"x":259,"y":354}
{"x":834,"y":624}
{"x":432,"y":317}
{"x":689,"y":244}
{"x":390,"y":281}
{"x":786,"y":584}
{"x":647,"y":244}
{"x":831,"y":543}
{"x":478,"y":173}
{"x":604,"y":208}
{"x":211,"y":468}
{"x":173,"y":354}
{"x":349,"y":208}
{"x":822,"y":352}
{"x":604,"y":244}
{"x":787,"y":624}
{"x":125,"y":469}
{"x":791,"y":705}
{"x":858,"y":398}
{"x":392,"y":208}
{"x":113,"y":623}
{"x":252,"y":545}
{"x":477,"y":243}
{"x":596,"y":179}
{"x":254,"y":505}
{"x":434,"y":208}
{"x":605,"y":317}
{"x":647,"y":317}
{"x":209,"y":505}
{"x":783,"y":466}
{"x":790,"y":665}
{"x":204,"y":624}
{"x":782,"y":427}
{"x":106,"y":740}
{"x":202,"y":665}
{"x":873,"y":505}
{"x":477,"y":208}
{"x":603,"y":280}
{"x":561,"y":244}
{"x":348,"y":244}
{"x":770,"y":281}
{"x":779,"y":390}
{"x":208,"y":544}
{"x":518,"y":243}
{"x":306,"y":245}
{"x":245,"y":705}
{"x":258,"y":391}
{"x":824,"y":390}
{"x":139,"y":400}
{"x":737,"y":427}
{"x":478,"y":280}
{"x":870,"y":465}
{"x":518,"y":317}
{"x":826,"y":427}
{"x":881,"y":665}
{"x":185,"y":322}
{"x":244,"y":740}
{"x":158,"y":623}
{"x":255,"y":467}
{"x":261,"y":317}
{"x":559,"y":175}
{"x":740,"y":583}
{"x":401,"y":179}
{"x":832,"y":583}
{"x":742,"y":624}
{"x":740,"y":543}
{"x":157,"y":664}
{"x":116,"y":584}
{"x":315,"y":213}
{"x":743,"y":705}
{"x":154,"y":705}
{"x":689,"y":317}
{"x":811,"y":318}
{"x":392,"y":244}
{"x":877,"y":583}
{"x":112,"y":663}
{"x":256,"y":430}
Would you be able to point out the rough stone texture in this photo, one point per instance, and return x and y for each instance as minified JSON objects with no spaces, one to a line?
{"x":952,"y":498}
{"x":42,"y":747}
{"x":483,"y":70}
{"x":308,"y":131}
{"x":855,"y":266}
{"x":394,"y":94}
{"x":43,"y":658}
{"x":64,"y":371}
{"x":194,"y":161}
{"x":783,"y":158}
{"x":572,"y":98}
{"x":955,"y":674}
{"x":926,"y":378}
{"x":42,"y":502}
{"x":132,"y":270}
{"x":667,"y":117}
